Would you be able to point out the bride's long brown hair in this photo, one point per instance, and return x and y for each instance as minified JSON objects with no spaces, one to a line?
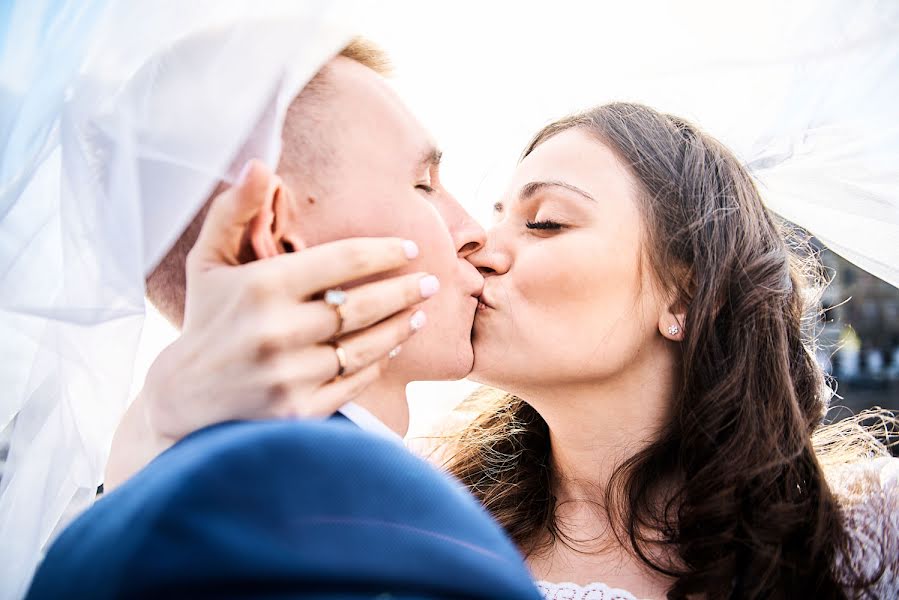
{"x":751,"y":515}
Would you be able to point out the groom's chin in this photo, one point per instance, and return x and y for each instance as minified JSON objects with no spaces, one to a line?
{"x":438,"y":356}
{"x":463,"y":363}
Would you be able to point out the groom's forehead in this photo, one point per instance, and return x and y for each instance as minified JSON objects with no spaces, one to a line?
{"x":370,"y":116}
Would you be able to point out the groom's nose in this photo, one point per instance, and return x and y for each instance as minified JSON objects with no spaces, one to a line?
{"x":470,"y":238}
{"x":468,"y":235}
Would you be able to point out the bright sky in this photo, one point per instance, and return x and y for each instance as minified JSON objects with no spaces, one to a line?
{"x":483,"y":76}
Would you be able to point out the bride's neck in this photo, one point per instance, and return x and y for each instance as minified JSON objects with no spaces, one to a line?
{"x":386,"y":400}
{"x":594,"y":427}
{"x":593,"y":430}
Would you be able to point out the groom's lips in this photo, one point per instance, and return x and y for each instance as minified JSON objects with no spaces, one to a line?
{"x":484,"y":303}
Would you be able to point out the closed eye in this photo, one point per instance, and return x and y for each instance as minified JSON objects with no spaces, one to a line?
{"x":425,"y":188}
{"x":543,"y":225}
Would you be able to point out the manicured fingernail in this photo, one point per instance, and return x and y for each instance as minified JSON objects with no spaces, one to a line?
{"x":410,"y":248}
{"x":395,"y":352}
{"x":429,"y":286}
{"x":418,"y":320}
{"x":245,"y":172}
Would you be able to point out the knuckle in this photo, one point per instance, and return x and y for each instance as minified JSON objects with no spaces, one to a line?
{"x":363,"y":311}
{"x":357,"y":256}
{"x":259,"y":290}
{"x":268,"y":343}
{"x":278,"y":394}
{"x":266,"y":349}
{"x":400,"y":332}
{"x":364,"y":355}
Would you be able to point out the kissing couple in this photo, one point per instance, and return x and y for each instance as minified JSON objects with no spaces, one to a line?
{"x":650,"y":424}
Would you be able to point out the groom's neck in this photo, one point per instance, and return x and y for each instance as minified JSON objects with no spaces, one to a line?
{"x":386,"y":400}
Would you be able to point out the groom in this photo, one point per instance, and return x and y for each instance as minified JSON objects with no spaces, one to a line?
{"x":301,"y":509}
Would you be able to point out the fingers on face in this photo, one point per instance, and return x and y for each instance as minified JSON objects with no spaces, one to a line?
{"x":366,"y":305}
{"x":373,"y":302}
{"x":319,"y":364}
{"x":377,"y":342}
{"x":333,"y":264}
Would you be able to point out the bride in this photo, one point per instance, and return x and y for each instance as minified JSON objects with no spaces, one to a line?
{"x":656,"y":418}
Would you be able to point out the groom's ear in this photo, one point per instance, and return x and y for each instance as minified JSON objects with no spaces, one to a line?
{"x":270,"y":233}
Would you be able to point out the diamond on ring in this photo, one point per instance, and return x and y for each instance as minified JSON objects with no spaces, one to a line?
{"x":335,"y":297}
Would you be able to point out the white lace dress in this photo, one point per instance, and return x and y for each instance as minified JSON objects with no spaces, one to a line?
{"x":572,"y":591}
{"x":869,"y":494}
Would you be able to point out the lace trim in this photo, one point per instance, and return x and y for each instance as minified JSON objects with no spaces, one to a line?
{"x":572,"y":591}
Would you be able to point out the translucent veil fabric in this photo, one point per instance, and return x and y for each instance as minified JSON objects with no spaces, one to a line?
{"x":828,"y":157}
{"x":117,"y":119}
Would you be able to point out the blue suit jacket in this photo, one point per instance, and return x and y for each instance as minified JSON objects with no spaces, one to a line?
{"x":285,"y":510}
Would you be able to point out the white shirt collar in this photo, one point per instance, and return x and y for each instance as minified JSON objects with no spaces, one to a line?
{"x":368,"y":422}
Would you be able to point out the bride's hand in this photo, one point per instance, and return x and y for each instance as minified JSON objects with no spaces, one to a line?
{"x":255,"y":342}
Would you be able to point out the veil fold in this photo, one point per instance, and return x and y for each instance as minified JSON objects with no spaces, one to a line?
{"x":117,"y":120}
{"x":828,"y":159}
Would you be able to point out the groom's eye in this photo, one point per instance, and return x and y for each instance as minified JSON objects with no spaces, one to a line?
{"x":427,"y":189}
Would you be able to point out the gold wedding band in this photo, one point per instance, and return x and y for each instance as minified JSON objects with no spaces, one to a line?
{"x":336,"y":298}
{"x":341,"y":360}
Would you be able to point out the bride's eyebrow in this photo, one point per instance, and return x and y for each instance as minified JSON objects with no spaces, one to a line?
{"x":528,"y":190}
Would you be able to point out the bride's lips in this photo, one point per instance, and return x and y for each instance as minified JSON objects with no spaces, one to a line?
{"x":484,"y":303}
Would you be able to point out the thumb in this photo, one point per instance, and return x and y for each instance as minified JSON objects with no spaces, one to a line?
{"x":232,"y":211}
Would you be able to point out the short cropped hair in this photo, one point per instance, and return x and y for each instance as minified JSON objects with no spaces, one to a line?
{"x":306,"y":152}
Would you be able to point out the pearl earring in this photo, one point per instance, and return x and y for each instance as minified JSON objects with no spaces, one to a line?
{"x":673,"y":330}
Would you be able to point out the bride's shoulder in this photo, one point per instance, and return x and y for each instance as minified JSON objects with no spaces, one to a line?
{"x":868,"y":493}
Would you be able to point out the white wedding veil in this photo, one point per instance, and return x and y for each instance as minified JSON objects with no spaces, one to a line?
{"x":117,"y":120}
{"x":827,"y":155}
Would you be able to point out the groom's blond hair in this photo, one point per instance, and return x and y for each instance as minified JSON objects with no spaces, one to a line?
{"x":307,"y":149}
{"x":304,"y":134}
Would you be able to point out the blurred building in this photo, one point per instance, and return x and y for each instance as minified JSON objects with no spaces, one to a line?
{"x":860,"y":338}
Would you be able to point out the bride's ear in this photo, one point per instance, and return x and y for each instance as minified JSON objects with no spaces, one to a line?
{"x":675,"y":303}
{"x":671,"y":321}
{"x":270,"y":232}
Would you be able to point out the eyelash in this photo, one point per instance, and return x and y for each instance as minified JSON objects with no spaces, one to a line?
{"x":544,"y":225}
{"x":425,"y":188}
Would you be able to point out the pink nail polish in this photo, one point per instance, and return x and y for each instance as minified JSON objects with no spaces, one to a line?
{"x":410,"y":248}
{"x":429,"y":286}
{"x":418,"y":320}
